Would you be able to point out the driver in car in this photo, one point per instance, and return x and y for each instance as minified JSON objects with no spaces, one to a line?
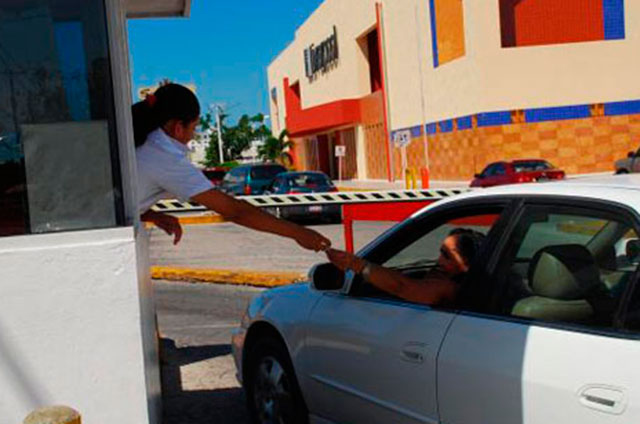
{"x":441,"y":285}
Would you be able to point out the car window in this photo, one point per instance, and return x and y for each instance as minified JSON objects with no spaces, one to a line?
{"x":500,"y":169}
{"x":489,"y":170}
{"x":266,"y":172}
{"x":567,"y":266}
{"x":532,"y":166}
{"x":415,"y":248}
{"x":309,"y":180}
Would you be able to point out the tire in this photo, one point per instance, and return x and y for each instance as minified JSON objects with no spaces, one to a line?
{"x":621,"y":172}
{"x":272,"y":392}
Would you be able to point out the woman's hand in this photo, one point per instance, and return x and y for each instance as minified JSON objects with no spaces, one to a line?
{"x":312,"y":240}
{"x":167,"y":223}
{"x":344,"y":260}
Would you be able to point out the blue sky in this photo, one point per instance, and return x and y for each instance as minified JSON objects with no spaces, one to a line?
{"x":224,"y":48}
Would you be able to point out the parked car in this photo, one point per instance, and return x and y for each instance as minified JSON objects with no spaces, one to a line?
{"x":517,"y":171}
{"x":305,"y":183}
{"x":630,"y":164}
{"x":215,"y":174}
{"x":545,"y":328}
{"x":250,"y":179}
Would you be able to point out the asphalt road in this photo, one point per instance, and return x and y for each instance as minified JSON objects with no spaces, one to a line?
{"x":198,"y":374}
{"x":231,"y":247}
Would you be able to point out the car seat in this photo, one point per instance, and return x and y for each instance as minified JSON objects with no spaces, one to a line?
{"x":561,"y":279}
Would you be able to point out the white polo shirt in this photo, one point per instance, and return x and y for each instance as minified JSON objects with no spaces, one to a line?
{"x":164,"y":171}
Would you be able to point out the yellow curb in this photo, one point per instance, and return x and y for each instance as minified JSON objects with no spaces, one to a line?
{"x":353,"y":189}
{"x":195,"y":220}
{"x":234,"y":277}
{"x":201,"y":219}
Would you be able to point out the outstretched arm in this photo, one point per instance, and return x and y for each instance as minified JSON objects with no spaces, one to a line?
{"x":431,"y":291}
{"x":242,"y":213}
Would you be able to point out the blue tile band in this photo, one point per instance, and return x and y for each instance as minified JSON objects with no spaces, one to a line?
{"x":446,"y":126}
{"x":490,"y":119}
{"x":557,"y":113}
{"x":613,"y":19}
{"x":622,"y":108}
{"x":465,"y":123}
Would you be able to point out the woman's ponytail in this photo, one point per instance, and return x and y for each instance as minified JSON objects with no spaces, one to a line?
{"x":171,"y":101}
{"x":145,"y":121}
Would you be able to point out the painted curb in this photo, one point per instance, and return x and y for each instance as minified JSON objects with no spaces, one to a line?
{"x":202,"y":219}
{"x":263,"y":279}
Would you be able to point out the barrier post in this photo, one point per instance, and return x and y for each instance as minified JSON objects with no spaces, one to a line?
{"x":347,"y":222}
{"x":53,"y":415}
{"x":424,"y":174}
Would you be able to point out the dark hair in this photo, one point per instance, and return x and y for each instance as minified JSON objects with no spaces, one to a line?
{"x":171,"y":101}
{"x":468,"y":242}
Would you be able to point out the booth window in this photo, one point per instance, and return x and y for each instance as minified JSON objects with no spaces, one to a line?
{"x":447,"y":30}
{"x":59,"y":166}
{"x":546,"y":22}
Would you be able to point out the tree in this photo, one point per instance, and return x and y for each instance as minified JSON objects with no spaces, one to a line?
{"x":275,"y":149}
{"x":236,"y":139}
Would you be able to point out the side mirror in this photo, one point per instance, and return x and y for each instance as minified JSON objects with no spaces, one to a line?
{"x":631,"y":155}
{"x":326,"y":277}
{"x":477,"y":176}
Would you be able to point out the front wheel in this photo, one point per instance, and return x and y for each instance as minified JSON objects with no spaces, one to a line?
{"x":273,"y":394}
{"x":621,"y":172}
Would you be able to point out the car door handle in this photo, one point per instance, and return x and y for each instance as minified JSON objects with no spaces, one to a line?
{"x":609,"y":399}
{"x":414,"y":352}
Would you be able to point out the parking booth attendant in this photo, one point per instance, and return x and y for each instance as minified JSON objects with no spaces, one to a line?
{"x":163,"y":125}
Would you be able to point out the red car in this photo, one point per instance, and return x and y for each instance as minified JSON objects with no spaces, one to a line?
{"x":517,"y":171}
{"x":215,"y":174}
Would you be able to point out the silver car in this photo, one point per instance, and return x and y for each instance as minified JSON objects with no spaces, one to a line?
{"x":545,"y":327}
{"x":630,"y":164}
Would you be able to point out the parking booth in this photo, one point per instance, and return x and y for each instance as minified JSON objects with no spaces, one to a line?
{"x":77,"y":323}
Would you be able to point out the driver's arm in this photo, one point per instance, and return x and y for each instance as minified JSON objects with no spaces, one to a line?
{"x":431,"y":290}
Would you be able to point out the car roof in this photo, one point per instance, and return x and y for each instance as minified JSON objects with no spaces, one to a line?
{"x":622,"y":189}
{"x":258,"y":164}
{"x":528,"y":160}
{"x":294,"y":173}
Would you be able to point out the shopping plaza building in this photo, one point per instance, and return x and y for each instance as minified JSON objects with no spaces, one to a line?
{"x":451,"y":85}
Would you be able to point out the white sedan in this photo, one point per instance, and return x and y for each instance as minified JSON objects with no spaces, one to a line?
{"x":544,"y":329}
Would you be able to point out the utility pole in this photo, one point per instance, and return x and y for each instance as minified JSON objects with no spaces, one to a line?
{"x":220,"y":149}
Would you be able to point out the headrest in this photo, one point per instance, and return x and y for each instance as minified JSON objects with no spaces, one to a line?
{"x":563,"y":272}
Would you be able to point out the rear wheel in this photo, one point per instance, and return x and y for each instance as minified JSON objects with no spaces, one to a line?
{"x":273,"y":394}
{"x":621,"y":172}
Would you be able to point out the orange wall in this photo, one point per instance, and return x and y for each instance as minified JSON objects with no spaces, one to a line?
{"x":540,"y":22}
{"x":578,"y":146}
{"x":450,"y":30}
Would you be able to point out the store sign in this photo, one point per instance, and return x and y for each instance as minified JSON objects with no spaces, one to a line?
{"x":321,"y":57}
{"x":402,"y":138}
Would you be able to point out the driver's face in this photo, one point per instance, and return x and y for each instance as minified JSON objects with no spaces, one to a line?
{"x":450,"y":259}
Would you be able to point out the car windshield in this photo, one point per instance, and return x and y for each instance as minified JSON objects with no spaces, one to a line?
{"x":309,"y":180}
{"x":266,"y":172}
{"x":534,"y":165}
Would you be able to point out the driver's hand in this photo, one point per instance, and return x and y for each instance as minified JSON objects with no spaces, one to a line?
{"x":345,"y":260}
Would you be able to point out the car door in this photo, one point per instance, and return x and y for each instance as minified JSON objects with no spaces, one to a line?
{"x":552,"y":348}
{"x":488,"y":176}
{"x":500,"y":175}
{"x":370,"y":357}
